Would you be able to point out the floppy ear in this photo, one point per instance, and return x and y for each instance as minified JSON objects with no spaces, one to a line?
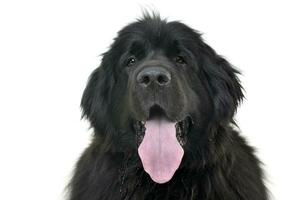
{"x":96,"y":96}
{"x":226,"y":88}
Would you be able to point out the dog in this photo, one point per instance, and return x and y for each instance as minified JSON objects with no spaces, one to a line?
{"x":161,"y":105}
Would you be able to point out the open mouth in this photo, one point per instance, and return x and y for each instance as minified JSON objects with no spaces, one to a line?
{"x":182,"y":127}
{"x":160,"y":144}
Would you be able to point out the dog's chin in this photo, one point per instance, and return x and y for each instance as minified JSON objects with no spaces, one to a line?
{"x":160,"y":142}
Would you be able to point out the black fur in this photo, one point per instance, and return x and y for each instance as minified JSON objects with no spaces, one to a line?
{"x":218,"y":163}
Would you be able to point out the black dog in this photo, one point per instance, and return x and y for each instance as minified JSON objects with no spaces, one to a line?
{"x":161,"y":105}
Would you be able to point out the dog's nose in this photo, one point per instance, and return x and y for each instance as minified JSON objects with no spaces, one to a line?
{"x":156,"y":75}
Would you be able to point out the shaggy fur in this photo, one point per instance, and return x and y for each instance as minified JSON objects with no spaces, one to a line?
{"x":217,"y":162}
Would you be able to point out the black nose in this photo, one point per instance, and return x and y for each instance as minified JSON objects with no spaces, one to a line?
{"x":156,"y":75}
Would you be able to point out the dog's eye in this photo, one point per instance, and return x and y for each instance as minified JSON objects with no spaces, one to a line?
{"x":130,"y":61}
{"x":180,"y":60}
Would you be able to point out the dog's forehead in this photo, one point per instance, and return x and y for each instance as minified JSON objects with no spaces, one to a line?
{"x":156,"y":57}
{"x":156,"y":34}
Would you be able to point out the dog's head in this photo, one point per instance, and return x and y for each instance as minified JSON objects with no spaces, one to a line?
{"x":158,"y":89}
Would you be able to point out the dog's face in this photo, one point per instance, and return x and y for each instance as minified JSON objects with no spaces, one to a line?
{"x":159,"y":87}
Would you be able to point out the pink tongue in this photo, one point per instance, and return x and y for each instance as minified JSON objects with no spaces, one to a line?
{"x":160,"y":151}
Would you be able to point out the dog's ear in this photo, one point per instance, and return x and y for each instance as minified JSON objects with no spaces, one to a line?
{"x":96,"y":96}
{"x":227,"y":91}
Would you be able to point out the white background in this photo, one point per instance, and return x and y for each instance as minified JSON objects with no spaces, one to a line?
{"x":49,"y":48}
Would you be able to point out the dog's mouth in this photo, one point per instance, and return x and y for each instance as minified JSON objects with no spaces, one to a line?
{"x":160,"y":143}
{"x":182,"y":126}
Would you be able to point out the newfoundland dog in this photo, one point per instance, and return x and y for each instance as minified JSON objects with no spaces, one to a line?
{"x":161,"y":105}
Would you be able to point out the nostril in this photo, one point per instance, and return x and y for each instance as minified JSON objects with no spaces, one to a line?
{"x":145,"y":80}
{"x":163,"y":79}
